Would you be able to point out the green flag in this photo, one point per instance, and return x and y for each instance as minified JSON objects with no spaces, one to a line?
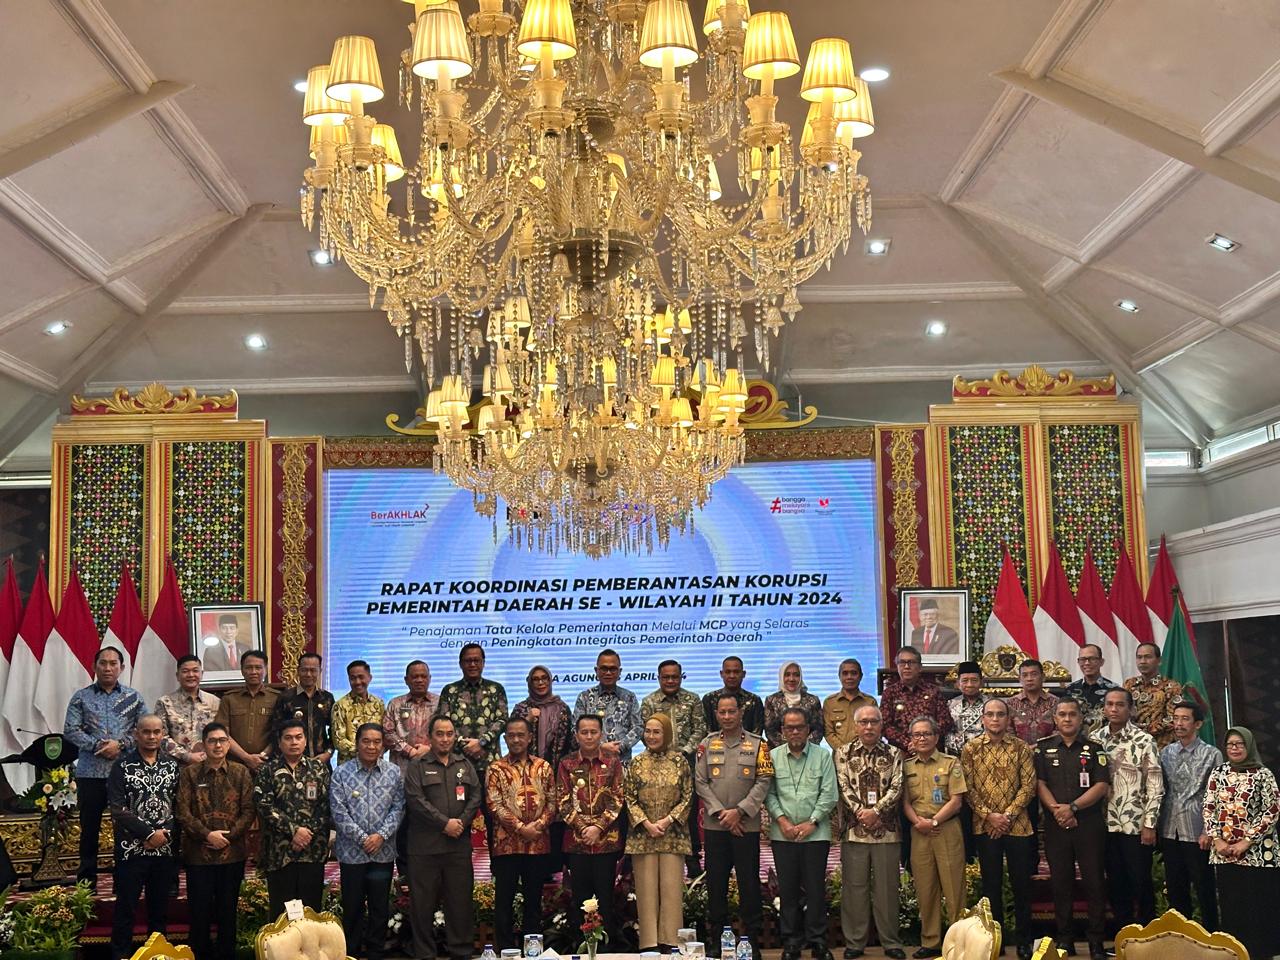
{"x":1179,"y":663}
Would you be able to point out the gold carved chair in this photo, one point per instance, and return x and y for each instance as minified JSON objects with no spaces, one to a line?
{"x":975,"y":935}
{"x":1046,"y":949}
{"x":316,"y":936}
{"x":158,"y":947}
{"x":1174,"y":937}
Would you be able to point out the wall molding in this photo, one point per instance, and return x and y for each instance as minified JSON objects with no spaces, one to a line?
{"x":902,"y":374}
{"x":275,"y":386}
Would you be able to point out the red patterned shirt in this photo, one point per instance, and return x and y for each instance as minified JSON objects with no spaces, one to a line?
{"x":518,"y":794}
{"x":589,"y":793}
{"x":1032,"y":721}
{"x":900,"y":704}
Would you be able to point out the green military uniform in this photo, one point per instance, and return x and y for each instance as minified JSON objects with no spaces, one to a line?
{"x":288,"y":798}
{"x":937,"y":862}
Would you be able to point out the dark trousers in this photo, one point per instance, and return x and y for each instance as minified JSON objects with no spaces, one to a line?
{"x":1185,"y":865}
{"x":527,"y":871}
{"x":91,"y":795}
{"x":965,"y":816}
{"x":366,"y":895}
{"x":694,"y":820}
{"x":1083,"y":845}
{"x":802,"y":879}
{"x":296,"y":881}
{"x":725,"y":852}
{"x":592,"y":875}
{"x":1020,"y":855}
{"x":152,"y":876}
{"x":213,"y":894}
{"x":1129,"y":879}
{"x":441,"y":880}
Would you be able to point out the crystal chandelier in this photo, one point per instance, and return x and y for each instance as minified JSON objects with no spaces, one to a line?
{"x":565,"y":224}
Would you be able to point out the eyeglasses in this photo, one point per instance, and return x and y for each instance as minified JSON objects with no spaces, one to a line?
{"x":872,"y":722}
{"x":218,"y":741}
{"x":1088,"y":659}
{"x":922,"y":736}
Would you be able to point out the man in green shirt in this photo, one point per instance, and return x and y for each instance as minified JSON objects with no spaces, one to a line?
{"x":800,"y":802}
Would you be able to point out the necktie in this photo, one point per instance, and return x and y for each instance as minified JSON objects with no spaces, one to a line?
{"x":928,"y":638}
{"x":231,"y":656}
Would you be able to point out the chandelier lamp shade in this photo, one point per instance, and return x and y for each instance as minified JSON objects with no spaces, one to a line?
{"x":604,"y":224}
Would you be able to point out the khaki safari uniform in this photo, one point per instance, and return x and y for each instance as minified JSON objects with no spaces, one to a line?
{"x":937,"y":862}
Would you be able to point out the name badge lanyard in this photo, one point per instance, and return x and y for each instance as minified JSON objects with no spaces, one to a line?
{"x":1084,"y":772}
{"x":791,"y":774}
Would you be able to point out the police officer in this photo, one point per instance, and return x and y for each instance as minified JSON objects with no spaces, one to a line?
{"x":1073,"y":779}
{"x":732,"y":774}
{"x":442,"y":796}
{"x":933,"y":786}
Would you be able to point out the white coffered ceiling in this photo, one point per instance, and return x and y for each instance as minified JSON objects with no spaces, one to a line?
{"x":1035,"y":162}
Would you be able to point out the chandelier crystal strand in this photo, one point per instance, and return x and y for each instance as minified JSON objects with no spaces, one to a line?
{"x":564,"y":228}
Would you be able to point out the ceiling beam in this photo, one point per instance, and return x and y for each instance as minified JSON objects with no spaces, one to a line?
{"x":91,"y":124}
{"x":1141,"y":130}
{"x":1074,"y":321}
{"x":123,"y":334}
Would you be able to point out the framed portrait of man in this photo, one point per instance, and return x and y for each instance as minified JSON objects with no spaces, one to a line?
{"x":221,"y":634}
{"x":935,"y":620}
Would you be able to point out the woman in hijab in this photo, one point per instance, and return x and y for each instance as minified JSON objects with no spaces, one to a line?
{"x":551,"y":723}
{"x":791,"y":694}
{"x":658,"y":790}
{"x":1241,"y":807}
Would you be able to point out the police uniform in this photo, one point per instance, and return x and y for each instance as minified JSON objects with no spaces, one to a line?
{"x":1069,"y":771}
{"x":937,"y":863}
{"x":440,"y":866}
{"x":733,"y":772}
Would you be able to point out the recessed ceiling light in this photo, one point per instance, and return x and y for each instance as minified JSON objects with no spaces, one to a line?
{"x":300,"y":86}
{"x":875,"y":74}
{"x":935,"y":328}
{"x":1221,"y":243}
{"x":321,"y":258}
{"x":58,"y":328}
{"x":1128,"y":306}
{"x":255,"y":341}
{"x":878,"y":247}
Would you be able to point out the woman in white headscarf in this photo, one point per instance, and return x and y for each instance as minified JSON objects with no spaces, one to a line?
{"x":791,"y":694}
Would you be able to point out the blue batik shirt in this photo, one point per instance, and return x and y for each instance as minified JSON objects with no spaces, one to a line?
{"x":619,"y":713}
{"x":95,"y":716}
{"x":364,"y":801}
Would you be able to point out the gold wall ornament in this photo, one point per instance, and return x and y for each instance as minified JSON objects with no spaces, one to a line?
{"x":1035,"y":383}
{"x":1004,"y":662}
{"x":294,"y":600}
{"x":834,"y":443}
{"x":357,"y":452}
{"x":905,"y":515}
{"x":155,"y":399}
{"x":765,"y":410}
{"x":23,"y":841}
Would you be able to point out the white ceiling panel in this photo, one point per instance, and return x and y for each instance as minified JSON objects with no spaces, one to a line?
{"x":28,"y":272}
{"x":1223,"y":376}
{"x":1262,"y":150}
{"x":89,"y":315}
{"x":1155,"y":319}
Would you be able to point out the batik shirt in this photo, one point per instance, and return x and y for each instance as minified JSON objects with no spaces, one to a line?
{"x":589,"y":793}
{"x":365,"y":801}
{"x":1240,"y":805}
{"x":479,"y":712}
{"x":209,"y":800}
{"x":142,"y":798}
{"x":1137,"y":782}
{"x":1090,"y":697}
{"x":1032,"y":721}
{"x":1186,"y":771}
{"x":405,"y":725}
{"x":775,"y":705}
{"x":348,"y":716}
{"x":619,"y":712}
{"x":95,"y":716}
{"x":289,"y":798}
{"x":752,"y":708}
{"x":184,"y":717}
{"x":520,"y":793}
{"x":1153,"y":703}
{"x":687,"y":719}
{"x":870,"y":778}
{"x":659,"y":785}
{"x":900,"y":704}
{"x":315,"y":710}
{"x":1002,"y":779}
{"x":966,"y":720}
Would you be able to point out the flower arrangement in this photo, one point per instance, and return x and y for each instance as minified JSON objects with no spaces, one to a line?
{"x":253,"y":912}
{"x":49,"y":921}
{"x":593,"y":932}
{"x":54,"y":797}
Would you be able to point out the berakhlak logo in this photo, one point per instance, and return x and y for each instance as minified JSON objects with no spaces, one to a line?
{"x":399,"y":517}
{"x":824,"y":502}
{"x":776,"y":506}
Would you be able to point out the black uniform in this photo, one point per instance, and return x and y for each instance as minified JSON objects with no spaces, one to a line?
{"x":1069,"y":771}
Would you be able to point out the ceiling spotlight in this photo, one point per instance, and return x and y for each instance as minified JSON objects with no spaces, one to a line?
{"x":300,"y":86}
{"x":1128,"y":306}
{"x":935,"y":328}
{"x":878,"y":247}
{"x":255,"y":341}
{"x":57,"y":328}
{"x":321,"y":258}
{"x":1222,"y":244}
{"x":874,"y":74}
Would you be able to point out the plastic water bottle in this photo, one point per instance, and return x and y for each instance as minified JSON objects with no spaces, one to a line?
{"x":744,"y":949}
{"x":727,"y":944}
{"x":488,"y":953}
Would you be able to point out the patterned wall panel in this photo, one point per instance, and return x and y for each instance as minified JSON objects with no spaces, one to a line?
{"x":1091,"y":494}
{"x":294,"y":550}
{"x":24,"y":532}
{"x":986,"y":488}
{"x":904,"y":524}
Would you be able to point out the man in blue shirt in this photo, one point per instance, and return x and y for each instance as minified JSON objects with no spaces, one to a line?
{"x":100,"y":721}
{"x":1187,"y":763}
{"x":616,"y":706}
{"x":367,"y":804}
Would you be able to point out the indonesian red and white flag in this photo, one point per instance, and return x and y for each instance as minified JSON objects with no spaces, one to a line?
{"x":1095,"y":617}
{"x":24,"y":671}
{"x":124,"y":632}
{"x":1010,"y":622}
{"x":1133,"y":623}
{"x":163,"y":642}
{"x":10,"y":616}
{"x":1160,"y":598}
{"x":68,"y":656}
{"x":1059,"y":632}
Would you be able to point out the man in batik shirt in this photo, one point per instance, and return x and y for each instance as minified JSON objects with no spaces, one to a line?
{"x":1154,"y":696}
{"x":690,"y":726}
{"x":1091,"y":687}
{"x":408,"y":717}
{"x":908,"y":697}
{"x":478,"y":709}
{"x":354,"y":710}
{"x":732,"y":673}
{"x":616,"y":706}
{"x":185,"y":712}
{"x":1031,"y":710}
{"x":310,"y":705}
